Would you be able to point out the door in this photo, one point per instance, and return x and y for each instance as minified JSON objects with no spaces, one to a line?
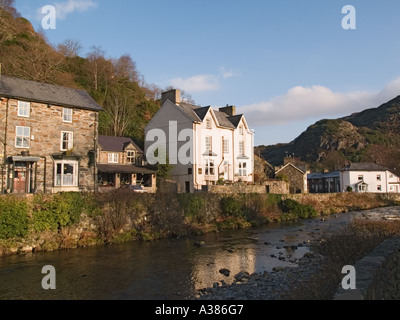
{"x":20,"y":180}
{"x":187,"y":187}
{"x":226,"y":170}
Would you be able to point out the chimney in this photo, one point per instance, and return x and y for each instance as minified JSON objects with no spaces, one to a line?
{"x":172,"y":95}
{"x":229,"y":110}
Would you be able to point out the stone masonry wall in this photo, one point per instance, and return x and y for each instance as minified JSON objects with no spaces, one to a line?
{"x":377,"y":275}
{"x":236,"y":188}
{"x":295,"y":179}
{"x":46,"y":124}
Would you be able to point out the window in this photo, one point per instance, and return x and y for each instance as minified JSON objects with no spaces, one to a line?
{"x":225,"y":143}
{"x":391,"y":176}
{"x":242,"y":169}
{"x":24,"y":109}
{"x":113,"y":158}
{"x":379,"y":177}
{"x":66,"y":174}
{"x":209,"y":124}
{"x":241,"y":148}
{"x":190,"y":171}
{"x":363,"y":187}
{"x":241,"y":130}
{"x":210,"y":168}
{"x":200,"y":171}
{"x":67,"y":115}
{"x":360,"y":178}
{"x":131,"y":157}
{"x":67,"y":140}
{"x":379,"y":188}
{"x":22,"y":137}
{"x":208,"y":144}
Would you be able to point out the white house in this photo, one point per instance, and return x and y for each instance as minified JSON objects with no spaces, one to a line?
{"x":369,"y":177}
{"x":202,"y":144}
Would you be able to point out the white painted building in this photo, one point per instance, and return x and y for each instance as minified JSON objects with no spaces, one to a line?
{"x":369,"y":177}
{"x":217,"y":144}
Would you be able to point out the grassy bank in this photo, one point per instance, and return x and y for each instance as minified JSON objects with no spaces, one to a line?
{"x":70,"y":220}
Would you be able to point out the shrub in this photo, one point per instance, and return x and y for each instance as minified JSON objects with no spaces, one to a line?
{"x":231,"y":207}
{"x":57,"y":211}
{"x":13,"y":217}
{"x":193,"y":207}
{"x":296,"y":209}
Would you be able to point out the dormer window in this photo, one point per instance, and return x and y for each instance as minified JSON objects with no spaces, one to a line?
{"x":209,"y":123}
{"x":131,"y":155}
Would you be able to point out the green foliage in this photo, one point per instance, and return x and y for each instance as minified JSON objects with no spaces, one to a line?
{"x":294,"y":209}
{"x":349,"y":189}
{"x":193,"y":207}
{"x":13,"y":218}
{"x":231,"y":207}
{"x":60,"y":210}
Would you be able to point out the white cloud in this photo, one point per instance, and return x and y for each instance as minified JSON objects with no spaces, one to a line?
{"x":65,"y":8}
{"x":300,"y":103}
{"x":203,"y":82}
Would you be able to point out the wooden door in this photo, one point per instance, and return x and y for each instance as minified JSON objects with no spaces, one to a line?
{"x":20,"y":181}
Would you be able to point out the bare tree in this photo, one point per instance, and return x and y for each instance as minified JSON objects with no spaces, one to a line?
{"x":125,"y":67}
{"x":119,"y":107}
{"x":8,"y":5}
{"x":70,"y":48}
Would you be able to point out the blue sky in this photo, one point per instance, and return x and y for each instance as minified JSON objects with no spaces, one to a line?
{"x":284,"y":63}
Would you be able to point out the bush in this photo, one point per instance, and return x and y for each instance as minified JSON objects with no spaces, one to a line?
{"x":193,"y":207}
{"x":57,"y":211}
{"x":231,"y":207}
{"x":13,"y":218}
{"x":296,"y":209}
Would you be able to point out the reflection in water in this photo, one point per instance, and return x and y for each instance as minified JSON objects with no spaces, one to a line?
{"x":159,"y":270}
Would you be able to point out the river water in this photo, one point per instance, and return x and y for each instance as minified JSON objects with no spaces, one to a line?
{"x":160,"y":270}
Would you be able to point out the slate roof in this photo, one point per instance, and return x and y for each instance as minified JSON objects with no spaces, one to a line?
{"x":33,"y":91}
{"x":197,"y":114}
{"x":116,"y":144}
{"x":365,"y":166}
{"x":320,"y":175}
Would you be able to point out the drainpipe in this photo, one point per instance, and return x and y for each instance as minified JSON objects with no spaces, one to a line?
{"x":5,"y":149}
{"x":223,"y":157}
{"x":195,"y":156}
{"x":95,"y":154}
{"x":44,"y":173}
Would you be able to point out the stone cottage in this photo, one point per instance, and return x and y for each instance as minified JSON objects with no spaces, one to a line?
{"x":295,"y":174}
{"x":121,"y":162}
{"x":48,"y":138}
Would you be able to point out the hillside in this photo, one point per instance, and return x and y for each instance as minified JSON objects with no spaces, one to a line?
{"x":115,"y":83}
{"x":370,"y":135}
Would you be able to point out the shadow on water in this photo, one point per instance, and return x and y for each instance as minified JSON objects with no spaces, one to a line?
{"x":159,"y":270}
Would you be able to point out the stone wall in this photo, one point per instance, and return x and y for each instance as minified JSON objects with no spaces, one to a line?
{"x":377,"y":275}
{"x":236,"y":188}
{"x":277,"y":187}
{"x":297,"y":180}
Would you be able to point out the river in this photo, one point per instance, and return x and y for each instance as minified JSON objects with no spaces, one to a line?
{"x":160,"y":270}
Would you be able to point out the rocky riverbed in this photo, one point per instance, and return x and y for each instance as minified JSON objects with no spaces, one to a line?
{"x":277,"y":284}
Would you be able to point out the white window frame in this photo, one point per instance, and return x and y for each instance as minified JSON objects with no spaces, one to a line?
{"x":69,"y":141}
{"x":129,"y":158}
{"x":360,"y":177}
{"x":242,"y":169}
{"x":67,"y":115}
{"x":208,"y":144}
{"x":66,"y":180}
{"x":209,"y":123}
{"x":241,"y":148}
{"x":225,"y":143}
{"x":24,"y":109}
{"x":241,"y":130}
{"x":379,"y":188}
{"x":23,"y":137}
{"x":113,"y":157}
{"x":210,"y":168}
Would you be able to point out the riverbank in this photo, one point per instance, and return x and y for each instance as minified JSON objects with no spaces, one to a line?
{"x":318,"y":273}
{"x":71,"y":220}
